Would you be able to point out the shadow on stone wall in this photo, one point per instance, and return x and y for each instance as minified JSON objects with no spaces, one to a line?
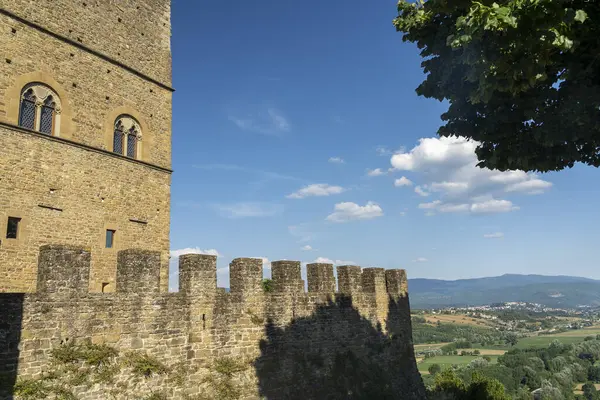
{"x":11,"y":319}
{"x":337,"y":354}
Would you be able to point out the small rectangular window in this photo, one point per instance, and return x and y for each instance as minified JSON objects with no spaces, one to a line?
{"x":110,"y":238}
{"x":12,"y":228}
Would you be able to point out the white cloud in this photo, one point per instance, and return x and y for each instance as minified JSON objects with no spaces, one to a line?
{"x":509,"y":177}
{"x":449,"y":186}
{"x":266,"y":122}
{"x":453,"y":208}
{"x":432,"y":152}
{"x":336,"y":160}
{"x":193,"y":250}
{"x":248,"y":209}
{"x":375,"y":172}
{"x":383,"y":151}
{"x":532,"y":186}
{"x":420,"y":259}
{"x":493,"y":206}
{"x":348,"y":211}
{"x":448,"y":167}
{"x":482,"y":205}
{"x":428,"y":206}
{"x":421,"y":192}
{"x":403,"y":181}
{"x":317,"y":189}
{"x":325,"y":260}
{"x":278,"y":120}
{"x":308,"y":247}
{"x":495,"y":235}
{"x":402,"y":213}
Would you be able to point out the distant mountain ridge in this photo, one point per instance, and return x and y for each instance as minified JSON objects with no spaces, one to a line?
{"x":553,"y":291}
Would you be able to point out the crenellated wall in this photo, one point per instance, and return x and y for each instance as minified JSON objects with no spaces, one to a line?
{"x":245,"y":343}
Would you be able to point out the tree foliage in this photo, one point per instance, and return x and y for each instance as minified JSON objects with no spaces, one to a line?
{"x":267,"y":285}
{"x":434,"y":369}
{"x":554,"y":371}
{"x":448,"y":385}
{"x":589,"y":391}
{"x":511,"y":339}
{"x":522,"y":77}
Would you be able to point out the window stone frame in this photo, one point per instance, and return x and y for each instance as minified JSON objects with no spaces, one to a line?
{"x":42,"y":92}
{"x":143,"y":146}
{"x":128,"y":122}
{"x":9,"y":111}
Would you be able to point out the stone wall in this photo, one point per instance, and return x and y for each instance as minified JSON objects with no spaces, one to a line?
{"x":203,"y":342}
{"x":68,"y":194}
{"x":134,"y":32}
{"x":102,"y":59}
{"x":93,"y":92}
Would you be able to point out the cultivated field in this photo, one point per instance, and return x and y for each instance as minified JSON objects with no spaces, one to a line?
{"x":591,"y":331}
{"x":494,"y":351}
{"x":460,"y":319}
{"x":569,"y":337}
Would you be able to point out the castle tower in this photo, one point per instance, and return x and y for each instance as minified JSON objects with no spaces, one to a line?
{"x":85,"y":133}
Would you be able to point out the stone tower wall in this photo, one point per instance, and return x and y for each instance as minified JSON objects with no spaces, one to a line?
{"x":93,"y":91}
{"x":286,"y":344}
{"x":71,"y":195}
{"x":70,"y":187}
{"x":135,"y":33}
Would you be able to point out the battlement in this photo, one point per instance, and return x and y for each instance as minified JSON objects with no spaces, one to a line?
{"x":64,"y":270}
{"x":201,"y":323}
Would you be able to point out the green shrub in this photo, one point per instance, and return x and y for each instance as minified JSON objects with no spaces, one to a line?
{"x":91,"y":354}
{"x":228,"y":366}
{"x":267,"y":285}
{"x":31,"y":389}
{"x":434,"y":369}
{"x":144,"y":365}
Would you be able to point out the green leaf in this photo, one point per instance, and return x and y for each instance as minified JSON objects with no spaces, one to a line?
{"x":580,"y":16}
{"x":497,"y":64}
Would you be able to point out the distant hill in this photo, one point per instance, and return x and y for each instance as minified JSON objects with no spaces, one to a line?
{"x":553,"y":291}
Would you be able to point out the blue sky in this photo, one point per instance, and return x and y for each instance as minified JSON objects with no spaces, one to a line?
{"x":294,"y":124}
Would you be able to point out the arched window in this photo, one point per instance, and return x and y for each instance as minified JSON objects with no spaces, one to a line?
{"x":47,"y":115}
{"x":40,"y":109}
{"x":118,"y":138}
{"x":132,"y":138}
{"x":127,"y":134}
{"x":27,"y":112}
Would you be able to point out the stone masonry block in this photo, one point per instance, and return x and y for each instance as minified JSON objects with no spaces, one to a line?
{"x":396,"y":282}
{"x":373,"y":280}
{"x":197,"y":274}
{"x":349,"y":279}
{"x":138,"y":271}
{"x":286,"y":276}
{"x":245,"y":275}
{"x":63,"y":269}
{"x":320,"y":277}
